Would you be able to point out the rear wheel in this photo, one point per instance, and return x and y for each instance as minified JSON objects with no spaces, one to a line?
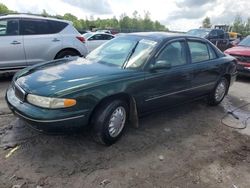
{"x":219,"y":92}
{"x":66,"y":53}
{"x":109,"y":121}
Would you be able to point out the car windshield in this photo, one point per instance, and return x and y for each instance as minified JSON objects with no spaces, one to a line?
{"x":123,"y":52}
{"x":245,"y":42}
{"x":87,"y":35}
{"x":198,"y":32}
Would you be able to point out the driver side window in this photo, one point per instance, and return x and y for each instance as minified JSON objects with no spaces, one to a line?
{"x":173,"y":54}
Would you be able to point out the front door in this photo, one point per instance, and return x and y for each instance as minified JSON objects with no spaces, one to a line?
{"x":168,"y":86}
{"x":11,"y":45}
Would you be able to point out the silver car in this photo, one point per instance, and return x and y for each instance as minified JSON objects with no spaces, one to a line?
{"x":94,"y":40}
{"x":27,"y":39}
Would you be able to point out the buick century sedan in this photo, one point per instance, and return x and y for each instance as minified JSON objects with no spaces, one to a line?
{"x":120,"y":80}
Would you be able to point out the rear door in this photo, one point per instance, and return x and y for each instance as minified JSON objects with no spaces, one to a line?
{"x":167,"y":87}
{"x":41,"y":42}
{"x":11,"y":45}
{"x":206,"y":67}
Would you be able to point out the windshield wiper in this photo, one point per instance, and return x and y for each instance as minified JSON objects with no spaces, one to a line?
{"x":129,"y":55}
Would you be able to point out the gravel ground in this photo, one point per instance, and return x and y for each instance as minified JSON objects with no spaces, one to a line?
{"x":184,"y":147}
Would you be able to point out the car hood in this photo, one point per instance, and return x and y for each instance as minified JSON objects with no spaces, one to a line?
{"x":239,"y":50}
{"x":65,"y":76}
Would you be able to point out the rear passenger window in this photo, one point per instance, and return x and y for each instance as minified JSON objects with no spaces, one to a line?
{"x":212,"y":54}
{"x":9,"y":27}
{"x":35,"y":27}
{"x":57,"y":26}
{"x":199,"y":51}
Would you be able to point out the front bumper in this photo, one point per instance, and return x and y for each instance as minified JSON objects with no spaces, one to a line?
{"x":242,"y":70}
{"x":46,"y":119}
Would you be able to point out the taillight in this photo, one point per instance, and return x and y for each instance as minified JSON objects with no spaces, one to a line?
{"x":80,"y":38}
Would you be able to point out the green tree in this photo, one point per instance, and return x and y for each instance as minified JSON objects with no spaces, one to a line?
{"x":44,"y":13}
{"x":4,"y":9}
{"x":69,"y":17}
{"x":125,"y":23}
{"x":238,"y":25}
{"x":148,"y":24}
{"x":206,"y":23}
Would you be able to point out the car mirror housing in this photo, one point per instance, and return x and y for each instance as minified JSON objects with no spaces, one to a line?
{"x":160,"y":64}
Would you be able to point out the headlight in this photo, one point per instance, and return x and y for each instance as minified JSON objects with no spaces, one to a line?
{"x":48,"y":102}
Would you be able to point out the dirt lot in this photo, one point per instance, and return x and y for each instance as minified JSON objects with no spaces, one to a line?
{"x":183,"y":147}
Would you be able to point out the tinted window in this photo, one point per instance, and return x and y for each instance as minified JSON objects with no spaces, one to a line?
{"x":213,"y":33}
{"x":96,"y":37}
{"x":9,"y":27}
{"x":107,"y":37}
{"x":199,"y":51}
{"x":220,"y":34}
{"x":35,"y":27}
{"x":212,"y":54}
{"x":174,"y":53}
{"x":57,"y":26}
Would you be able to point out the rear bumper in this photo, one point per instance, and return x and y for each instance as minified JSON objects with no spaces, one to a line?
{"x":45,"y":119}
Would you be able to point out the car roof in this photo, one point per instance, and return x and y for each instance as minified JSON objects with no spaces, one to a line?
{"x":159,"y":36}
{"x":32,"y":17}
{"x":96,"y":33}
{"x":202,"y":29}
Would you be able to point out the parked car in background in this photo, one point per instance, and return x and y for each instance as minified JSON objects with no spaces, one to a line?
{"x":218,"y":37}
{"x":94,"y":40}
{"x":104,"y":31}
{"x":242,"y":53}
{"x":27,"y":39}
{"x":127,"y":76}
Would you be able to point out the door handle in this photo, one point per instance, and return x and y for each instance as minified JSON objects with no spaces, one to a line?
{"x":55,"y":40}
{"x":15,"y":42}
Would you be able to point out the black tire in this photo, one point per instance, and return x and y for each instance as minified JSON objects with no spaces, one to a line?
{"x":101,"y":121}
{"x":66,"y":53}
{"x":213,"y":100}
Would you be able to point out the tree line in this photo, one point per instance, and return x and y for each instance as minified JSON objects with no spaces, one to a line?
{"x":125,"y":23}
{"x":239,"y":25}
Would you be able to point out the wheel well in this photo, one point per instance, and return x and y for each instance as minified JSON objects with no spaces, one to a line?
{"x":68,"y":49}
{"x":121,"y":96}
{"x":228,"y":77}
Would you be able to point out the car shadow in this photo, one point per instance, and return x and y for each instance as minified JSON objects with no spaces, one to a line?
{"x":77,"y":152}
{"x":244,"y":79}
{"x":4,"y":77}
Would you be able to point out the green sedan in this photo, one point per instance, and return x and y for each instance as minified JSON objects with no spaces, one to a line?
{"x":122,"y":79}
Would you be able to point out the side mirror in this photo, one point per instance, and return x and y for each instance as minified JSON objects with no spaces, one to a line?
{"x":161,"y":64}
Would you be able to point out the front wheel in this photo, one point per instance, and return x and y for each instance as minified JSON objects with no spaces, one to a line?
{"x":66,"y":53}
{"x":219,"y":92}
{"x":109,"y":121}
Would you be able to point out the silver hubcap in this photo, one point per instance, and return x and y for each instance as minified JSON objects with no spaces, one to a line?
{"x":220,"y":91}
{"x":117,"y":121}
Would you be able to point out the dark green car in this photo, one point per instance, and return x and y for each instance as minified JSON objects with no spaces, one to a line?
{"x":127,"y":76}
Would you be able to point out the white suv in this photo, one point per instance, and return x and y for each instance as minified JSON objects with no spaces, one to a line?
{"x":27,"y":39}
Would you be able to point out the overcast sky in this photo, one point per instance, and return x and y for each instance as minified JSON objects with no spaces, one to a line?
{"x":180,"y":15}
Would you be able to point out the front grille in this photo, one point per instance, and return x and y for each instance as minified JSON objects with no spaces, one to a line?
{"x":19,"y":92}
{"x":241,"y":58}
